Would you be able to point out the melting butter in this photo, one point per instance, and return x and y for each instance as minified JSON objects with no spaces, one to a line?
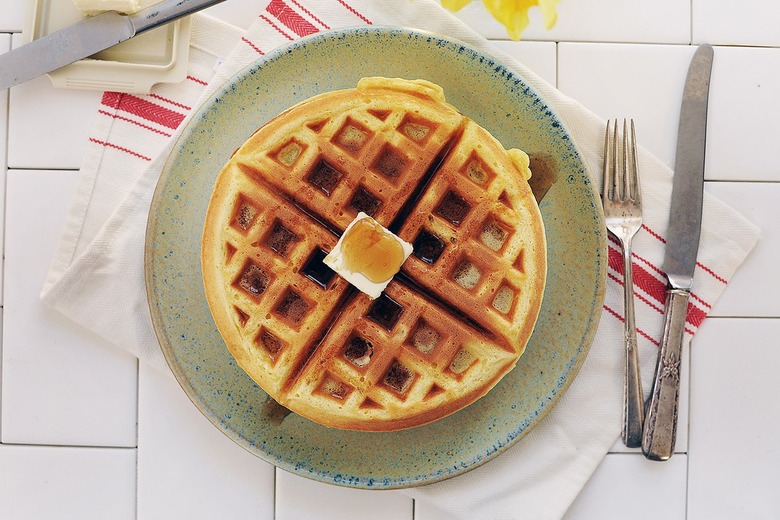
{"x":368,"y":255}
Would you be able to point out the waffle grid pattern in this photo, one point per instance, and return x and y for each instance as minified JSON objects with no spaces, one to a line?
{"x":319,"y":346}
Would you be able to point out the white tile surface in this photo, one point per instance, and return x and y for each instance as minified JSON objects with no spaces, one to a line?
{"x":644,"y":82}
{"x":748,"y":22}
{"x":540,"y":57}
{"x":13,"y":15}
{"x":666,"y":21}
{"x":734,"y":455}
{"x":5,"y":45}
{"x":66,"y":483}
{"x":627,"y":486}
{"x":298,"y":497}
{"x":745,"y":106}
{"x":49,"y":127}
{"x":60,"y":385}
{"x":186,"y":467}
{"x":753,"y":289}
{"x":426,"y":511}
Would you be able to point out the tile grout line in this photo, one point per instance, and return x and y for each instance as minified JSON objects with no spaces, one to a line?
{"x":2,"y":326}
{"x":690,"y":28}
{"x":7,"y":95}
{"x":137,"y":421}
{"x":43,"y":168}
{"x":275,"y":490}
{"x":688,"y":443}
{"x":67,"y":446}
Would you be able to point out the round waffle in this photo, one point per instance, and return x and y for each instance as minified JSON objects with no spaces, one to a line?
{"x":447,"y":327}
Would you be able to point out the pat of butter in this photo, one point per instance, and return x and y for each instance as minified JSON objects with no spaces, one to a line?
{"x":368,"y":255}
{"x":92,"y":7}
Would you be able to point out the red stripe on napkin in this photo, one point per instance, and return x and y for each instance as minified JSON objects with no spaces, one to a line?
{"x":649,"y":284}
{"x":132,"y":122}
{"x":712,"y":273}
{"x":198,"y":81}
{"x":653,"y":287}
{"x":642,"y":279}
{"x":650,"y":265}
{"x":354,"y":11}
{"x":639,"y":295}
{"x":695,"y":315}
{"x":653,"y":233}
{"x":170,"y":101}
{"x":310,"y":15}
{"x":144,"y":109}
{"x":704,"y":267}
{"x":252,"y":46}
{"x":638,"y":330}
{"x":120,"y":148}
{"x":290,"y":18}
{"x":276,"y":27}
{"x":661,"y":275}
{"x":702,"y":302}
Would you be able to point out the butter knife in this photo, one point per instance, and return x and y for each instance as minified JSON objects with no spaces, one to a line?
{"x":682,"y":247}
{"x":88,"y":37}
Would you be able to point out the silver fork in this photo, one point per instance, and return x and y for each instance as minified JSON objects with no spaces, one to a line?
{"x":622,"y":203}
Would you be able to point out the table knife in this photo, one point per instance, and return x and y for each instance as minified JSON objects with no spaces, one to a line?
{"x":88,"y":37}
{"x":682,"y":247}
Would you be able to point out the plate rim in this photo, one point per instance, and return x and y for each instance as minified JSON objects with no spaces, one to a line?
{"x":185,"y":383}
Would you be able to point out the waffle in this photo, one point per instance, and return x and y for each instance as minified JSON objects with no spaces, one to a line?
{"x":450,"y":324}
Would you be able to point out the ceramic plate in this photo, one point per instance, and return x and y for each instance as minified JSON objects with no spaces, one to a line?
{"x":488,"y":93}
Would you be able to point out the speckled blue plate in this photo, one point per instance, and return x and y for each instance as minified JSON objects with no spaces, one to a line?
{"x":488,"y":93}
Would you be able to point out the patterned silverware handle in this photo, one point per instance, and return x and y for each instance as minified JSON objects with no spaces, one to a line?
{"x":633,"y":399}
{"x":661,"y":419}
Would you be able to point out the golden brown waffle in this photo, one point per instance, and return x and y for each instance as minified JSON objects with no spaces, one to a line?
{"x":449,"y":326}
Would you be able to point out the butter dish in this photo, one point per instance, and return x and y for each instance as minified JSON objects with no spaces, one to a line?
{"x":157,"y":56}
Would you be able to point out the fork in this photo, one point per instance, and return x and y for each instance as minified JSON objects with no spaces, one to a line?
{"x":622,"y":203}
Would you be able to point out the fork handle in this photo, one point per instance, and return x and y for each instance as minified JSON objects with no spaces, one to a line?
{"x":661,"y":425}
{"x":633,"y":399}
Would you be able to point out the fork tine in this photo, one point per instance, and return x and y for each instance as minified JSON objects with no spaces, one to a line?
{"x":617,"y":173}
{"x":620,"y":175}
{"x":618,"y":183}
{"x":606,"y":192}
{"x":625,"y":172}
{"x":636,"y":190}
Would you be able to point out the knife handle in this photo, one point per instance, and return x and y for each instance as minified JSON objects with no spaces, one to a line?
{"x":661,"y":418}
{"x":166,"y":11}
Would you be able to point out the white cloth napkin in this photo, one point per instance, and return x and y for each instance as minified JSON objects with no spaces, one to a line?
{"x":96,"y":277}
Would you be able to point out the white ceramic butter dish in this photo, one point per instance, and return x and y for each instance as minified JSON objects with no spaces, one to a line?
{"x":157,"y":56}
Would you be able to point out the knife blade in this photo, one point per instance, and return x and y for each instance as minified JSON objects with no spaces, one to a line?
{"x":682,"y":247}
{"x":88,"y":37}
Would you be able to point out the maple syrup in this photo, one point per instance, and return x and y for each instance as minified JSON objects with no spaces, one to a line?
{"x":371,"y":250}
{"x":368,"y":255}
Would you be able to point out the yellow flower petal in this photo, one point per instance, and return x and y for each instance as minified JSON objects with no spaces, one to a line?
{"x":454,"y":5}
{"x":549,"y":13}
{"x":512,"y":14}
